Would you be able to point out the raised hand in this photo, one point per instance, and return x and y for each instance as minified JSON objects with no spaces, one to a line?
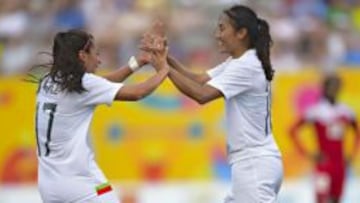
{"x":152,"y":42}
{"x":143,"y":58}
{"x":155,"y":38}
{"x":158,"y":29}
{"x":159,"y":55}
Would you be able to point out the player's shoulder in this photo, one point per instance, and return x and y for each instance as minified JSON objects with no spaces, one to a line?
{"x":90,"y":79}
{"x":47,"y":86}
{"x":313,"y":111}
{"x":248,"y":60}
{"x":343,"y":108}
{"x":89,"y":76}
{"x":249,"y":65}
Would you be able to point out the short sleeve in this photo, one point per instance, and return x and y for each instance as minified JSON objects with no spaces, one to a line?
{"x":217,"y":69}
{"x":310,"y":114}
{"x":99,"y":90}
{"x":347,"y":113}
{"x":234,"y":80}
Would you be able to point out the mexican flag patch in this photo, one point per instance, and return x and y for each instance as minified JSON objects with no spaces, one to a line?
{"x":103,"y":188}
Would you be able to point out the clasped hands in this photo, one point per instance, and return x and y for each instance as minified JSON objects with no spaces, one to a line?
{"x":153,"y":47}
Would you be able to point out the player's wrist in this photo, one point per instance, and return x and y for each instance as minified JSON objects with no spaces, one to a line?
{"x":133,"y":64}
{"x":163,"y":67}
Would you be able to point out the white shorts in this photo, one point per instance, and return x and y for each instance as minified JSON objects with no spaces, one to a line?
{"x":75,"y":191}
{"x":255,"y":180}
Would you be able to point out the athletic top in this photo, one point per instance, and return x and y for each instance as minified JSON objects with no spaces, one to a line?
{"x":248,"y":106}
{"x":330,"y":121}
{"x":63,"y":127}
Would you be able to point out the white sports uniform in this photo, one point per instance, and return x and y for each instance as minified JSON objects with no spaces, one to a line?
{"x":256,"y":165}
{"x":67,"y":171}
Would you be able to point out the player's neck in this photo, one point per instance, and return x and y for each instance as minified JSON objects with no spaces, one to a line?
{"x":332,"y":101}
{"x":239,"y":52}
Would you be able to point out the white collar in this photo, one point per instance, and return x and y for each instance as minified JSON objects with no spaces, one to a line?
{"x":247,"y":53}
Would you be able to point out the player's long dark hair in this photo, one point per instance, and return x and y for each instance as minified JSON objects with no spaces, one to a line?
{"x":66,"y":69}
{"x":258,"y":31}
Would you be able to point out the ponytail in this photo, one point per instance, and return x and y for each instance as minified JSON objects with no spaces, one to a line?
{"x":262,"y":45}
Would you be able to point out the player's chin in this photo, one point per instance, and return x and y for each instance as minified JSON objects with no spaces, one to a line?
{"x":223,"y":50}
{"x":95,"y":68}
{"x":92,"y":70}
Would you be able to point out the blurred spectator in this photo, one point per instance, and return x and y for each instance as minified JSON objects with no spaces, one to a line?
{"x":13,"y":18}
{"x":353,"y":51}
{"x":285,"y":34}
{"x":16,"y":56}
{"x":356,"y":15}
{"x":307,"y":34}
{"x":68,"y":15}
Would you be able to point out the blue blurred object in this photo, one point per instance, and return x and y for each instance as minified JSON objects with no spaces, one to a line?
{"x":69,"y":18}
{"x":196,"y":130}
{"x":162,"y":102}
{"x":309,"y":7}
{"x":115,"y":132}
{"x":352,"y":58}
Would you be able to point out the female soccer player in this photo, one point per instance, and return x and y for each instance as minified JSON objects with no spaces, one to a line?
{"x":243,"y":80}
{"x":66,"y":99}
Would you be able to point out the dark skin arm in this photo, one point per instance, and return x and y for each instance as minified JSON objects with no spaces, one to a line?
{"x":295,"y":138}
{"x":124,"y":72}
{"x":355,"y":128}
{"x":199,"y":78}
{"x":190,"y":84}
{"x":139,"y":91}
{"x":120,"y":74}
{"x":201,"y":93}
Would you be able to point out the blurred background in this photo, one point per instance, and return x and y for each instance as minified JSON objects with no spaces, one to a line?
{"x":166,"y":148}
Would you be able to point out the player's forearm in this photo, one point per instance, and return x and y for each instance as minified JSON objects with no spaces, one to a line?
{"x":199,"y":78}
{"x":139,"y":91}
{"x":152,"y":83}
{"x":120,"y":74}
{"x":295,"y":138}
{"x":356,"y":142}
{"x":299,"y":146}
{"x":187,"y":86}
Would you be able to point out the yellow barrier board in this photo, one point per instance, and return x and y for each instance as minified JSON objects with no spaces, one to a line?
{"x":166,"y":136}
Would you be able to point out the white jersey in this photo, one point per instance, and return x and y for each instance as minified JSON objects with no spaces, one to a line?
{"x":248,"y":101}
{"x":62,"y":128}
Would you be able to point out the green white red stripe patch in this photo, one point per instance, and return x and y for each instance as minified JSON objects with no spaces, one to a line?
{"x":103,"y":188}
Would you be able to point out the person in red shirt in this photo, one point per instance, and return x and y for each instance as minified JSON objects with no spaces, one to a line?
{"x":329,"y":119}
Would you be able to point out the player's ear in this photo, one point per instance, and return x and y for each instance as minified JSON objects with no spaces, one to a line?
{"x":82,"y":55}
{"x":241,"y":33}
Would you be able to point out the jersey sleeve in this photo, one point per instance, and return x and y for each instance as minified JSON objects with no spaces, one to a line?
{"x":99,"y":90}
{"x":217,"y":69}
{"x":348,"y":114}
{"x":310,"y":114}
{"x":233,"y":80}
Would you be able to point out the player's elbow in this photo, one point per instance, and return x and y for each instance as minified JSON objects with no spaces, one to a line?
{"x":201,"y":102}
{"x":136,"y":98}
{"x":139,"y":95}
{"x":131,"y":94}
{"x":201,"y":99}
{"x":292,"y":132}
